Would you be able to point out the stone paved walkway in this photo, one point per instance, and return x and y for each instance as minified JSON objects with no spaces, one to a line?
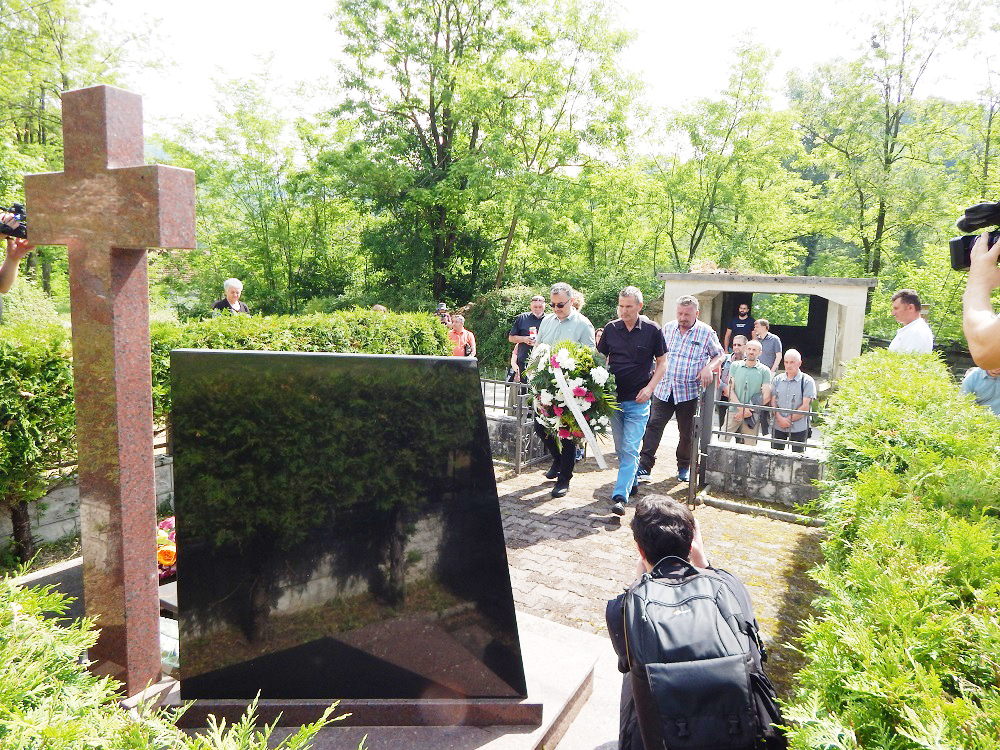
{"x":568,"y":556}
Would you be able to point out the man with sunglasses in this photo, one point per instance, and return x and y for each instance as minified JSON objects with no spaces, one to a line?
{"x":562,"y":324}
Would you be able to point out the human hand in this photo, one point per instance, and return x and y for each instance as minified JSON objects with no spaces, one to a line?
{"x":706,"y":376}
{"x":983,"y":269}
{"x":18,"y":248}
{"x":644,"y":395}
{"x":784,"y":422}
{"x":698,"y":557}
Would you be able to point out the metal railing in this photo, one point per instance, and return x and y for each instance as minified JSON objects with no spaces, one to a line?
{"x":503,"y":398}
{"x":701,"y":435}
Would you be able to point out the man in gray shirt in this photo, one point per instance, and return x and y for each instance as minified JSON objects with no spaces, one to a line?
{"x":792,"y":389}
{"x":770,"y":357}
{"x":563,"y":324}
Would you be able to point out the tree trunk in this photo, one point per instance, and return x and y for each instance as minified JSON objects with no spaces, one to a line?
{"x":396,"y":589}
{"x":506,"y":250}
{"x":20,"y":521}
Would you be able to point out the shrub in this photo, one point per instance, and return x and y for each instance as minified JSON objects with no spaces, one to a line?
{"x":38,"y":418}
{"x":26,"y":303}
{"x":49,"y":700}
{"x":353,"y":331}
{"x":903,"y":651}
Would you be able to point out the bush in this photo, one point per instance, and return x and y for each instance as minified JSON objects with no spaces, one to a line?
{"x":25,"y":303}
{"x":38,"y":418}
{"x":903,"y":652}
{"x":354,"y":331}
{"x":49,"y":700}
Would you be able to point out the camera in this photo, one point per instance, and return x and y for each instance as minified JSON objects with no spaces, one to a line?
{"x":19,"y":213}
{"x":976,"y":217}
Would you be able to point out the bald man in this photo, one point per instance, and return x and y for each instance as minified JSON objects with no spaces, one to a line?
{"x":791,"y":389}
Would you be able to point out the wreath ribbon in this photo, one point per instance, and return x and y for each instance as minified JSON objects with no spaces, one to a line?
{"x":574,"y":407}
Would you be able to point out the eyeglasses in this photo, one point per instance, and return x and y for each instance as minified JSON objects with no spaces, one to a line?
{"x":561,"y":305}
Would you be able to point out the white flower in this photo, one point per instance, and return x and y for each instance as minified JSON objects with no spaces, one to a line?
{"x":576,"y":383}
{"x":545,"y":397}
{"x":565,"y":361}
{"x":584,"y":405}
{"x":600,"y":375}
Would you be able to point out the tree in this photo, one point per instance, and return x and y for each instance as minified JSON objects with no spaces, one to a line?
{"x":462,"y":108}
{"x":726,"y":187}
{"x":866,"y":129}
{"x":277,"y":226}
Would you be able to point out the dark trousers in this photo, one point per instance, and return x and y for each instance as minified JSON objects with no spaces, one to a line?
{"x":660,"y":413}
{"x":566,"y":458}
{"x":796,"y":439}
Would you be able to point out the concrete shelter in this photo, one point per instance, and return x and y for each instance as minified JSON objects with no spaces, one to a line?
{"x":830,"y":336}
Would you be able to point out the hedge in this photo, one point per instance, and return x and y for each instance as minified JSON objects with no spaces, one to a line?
{"x":357,"y":331}
{"x":903,"y":652}
{"x":36,"y":391}
{"x":37,"y":418}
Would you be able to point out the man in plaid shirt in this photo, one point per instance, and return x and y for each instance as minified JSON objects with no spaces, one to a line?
{"x":693,"y":352}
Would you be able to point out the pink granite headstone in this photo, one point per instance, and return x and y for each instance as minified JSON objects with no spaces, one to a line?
{"x":109,"y":208}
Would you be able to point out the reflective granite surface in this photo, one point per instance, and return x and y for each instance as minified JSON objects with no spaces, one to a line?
{"x":338,"y":529}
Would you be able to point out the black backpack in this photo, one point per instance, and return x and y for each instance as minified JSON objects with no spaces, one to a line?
{"x":694,"y":657}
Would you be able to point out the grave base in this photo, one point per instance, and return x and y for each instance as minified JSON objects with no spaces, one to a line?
{"x":559,"y":666}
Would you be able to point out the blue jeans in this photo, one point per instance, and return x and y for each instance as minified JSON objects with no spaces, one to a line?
{"x":628,"y":426}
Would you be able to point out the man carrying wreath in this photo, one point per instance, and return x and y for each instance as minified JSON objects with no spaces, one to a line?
{"x":637,"y":357}
{"x":562,"y":324}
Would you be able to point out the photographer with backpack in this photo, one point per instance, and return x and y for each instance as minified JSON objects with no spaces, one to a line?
{"x":688,"y":645}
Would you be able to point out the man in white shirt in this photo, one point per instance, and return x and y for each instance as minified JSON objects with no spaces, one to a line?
{"x":915,"y":335}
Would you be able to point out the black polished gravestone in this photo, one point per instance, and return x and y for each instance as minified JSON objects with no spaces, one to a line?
{"x":339,"y":537}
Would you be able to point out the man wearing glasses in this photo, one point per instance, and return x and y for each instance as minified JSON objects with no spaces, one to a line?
{"x":562,"y":324}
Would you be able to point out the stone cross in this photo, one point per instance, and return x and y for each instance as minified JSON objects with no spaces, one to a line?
{"x":109,"y":208}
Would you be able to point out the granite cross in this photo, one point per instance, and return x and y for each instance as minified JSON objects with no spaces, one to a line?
{"x":109,"y":208}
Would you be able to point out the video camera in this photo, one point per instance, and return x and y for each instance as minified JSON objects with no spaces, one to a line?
{"x":976,"y":217}
{"x":19,"y":213}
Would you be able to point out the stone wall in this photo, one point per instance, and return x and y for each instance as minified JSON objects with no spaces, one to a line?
{"x":761,"y":473}
{"x":58,"y":513}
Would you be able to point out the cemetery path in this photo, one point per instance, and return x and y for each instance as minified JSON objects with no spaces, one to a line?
{"x":568,"y":556}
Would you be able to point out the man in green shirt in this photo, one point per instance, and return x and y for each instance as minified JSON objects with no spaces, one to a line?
{"x":749,"y":383}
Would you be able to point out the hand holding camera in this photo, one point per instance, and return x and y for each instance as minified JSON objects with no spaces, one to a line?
{"x":979,"y":323}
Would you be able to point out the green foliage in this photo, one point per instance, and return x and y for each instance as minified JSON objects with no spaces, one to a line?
{"x":48,"y":699}
{"x":903,"y":652}
{"x":352,"y":331}
{"x":490,"y":318}
{"x":36,"y":413}
{"x":26,"y":303}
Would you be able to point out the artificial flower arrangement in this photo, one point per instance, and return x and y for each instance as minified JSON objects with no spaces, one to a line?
{"x":166,"y":548}
{"x":591,"y":386}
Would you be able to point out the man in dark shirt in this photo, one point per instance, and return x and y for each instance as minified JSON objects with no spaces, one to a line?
{"x":637,"y":357}
{"x":741,"y":325}
{"x":520,"y":333}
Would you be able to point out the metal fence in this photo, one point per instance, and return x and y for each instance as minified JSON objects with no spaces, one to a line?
{"x":701,"y":434}
{"x":508,"y":406}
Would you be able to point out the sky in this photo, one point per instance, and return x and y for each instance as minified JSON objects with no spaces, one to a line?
{"x":683,"y":50}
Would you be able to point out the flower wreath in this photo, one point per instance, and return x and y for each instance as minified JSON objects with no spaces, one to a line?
{"x":166,"y":548}
{"x":592,"y":388}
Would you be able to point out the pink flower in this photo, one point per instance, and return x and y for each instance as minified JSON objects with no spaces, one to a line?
{"x":577,"y":433}
{"x":554,"y":362}
{"x":590,"y":397}
{"x":579,"y":391}
{"x":563,"y":433}
{"x":558,"y":410}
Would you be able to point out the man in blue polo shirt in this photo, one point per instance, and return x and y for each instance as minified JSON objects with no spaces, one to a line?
{"x":637,"y":357}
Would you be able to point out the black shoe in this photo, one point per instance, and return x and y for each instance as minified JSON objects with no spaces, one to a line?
{"x":553,"y":472}
{"x":619,"y":505}
{"x":634,"y":491}
{"x":642,"y":475}
{"x":560,"y":489}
